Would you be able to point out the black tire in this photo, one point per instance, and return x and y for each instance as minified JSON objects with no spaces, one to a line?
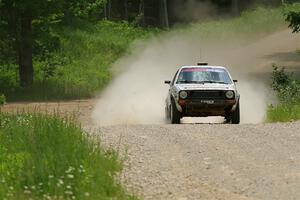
{"x":175,"y":115}
{"x":167,"y":115}
{"x":227,"y":119}
{"x":236,"y":115}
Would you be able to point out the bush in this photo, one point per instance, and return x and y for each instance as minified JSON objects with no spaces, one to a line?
{"x":45,"y":157}
{"x":292,"y":13}
{"x":287,"y":89}
{"x":2,"y":99}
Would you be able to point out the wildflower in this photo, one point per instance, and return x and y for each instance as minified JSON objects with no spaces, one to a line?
{"x":70,"y":176}
{"x":27,"y":192}
{"x":69,"y":170}
{"x":50,"y":176}
{"x":60,"y":182}
{"x":68,"y":192}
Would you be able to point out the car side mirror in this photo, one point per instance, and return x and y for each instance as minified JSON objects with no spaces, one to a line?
{"x":168,"y":82}
{"x":235,"y":81}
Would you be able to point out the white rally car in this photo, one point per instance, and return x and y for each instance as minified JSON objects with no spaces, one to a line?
{"x":201,"y":91}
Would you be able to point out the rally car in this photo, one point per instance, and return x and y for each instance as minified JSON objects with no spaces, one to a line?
{"x":202,"y":91}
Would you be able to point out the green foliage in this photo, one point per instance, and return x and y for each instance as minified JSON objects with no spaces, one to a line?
{"x":2,"y":99}
{"x":292,"y":13}
{"x":25,"y":25}
{"x":45,"y":157}
{"x":287,"y":89}
{"x":80,"y":67}
{"x":283,"y":113}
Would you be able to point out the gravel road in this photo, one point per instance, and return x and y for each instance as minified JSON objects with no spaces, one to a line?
{"x":209,"y":161}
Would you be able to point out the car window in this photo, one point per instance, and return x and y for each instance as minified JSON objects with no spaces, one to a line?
{"x":191,"y":75}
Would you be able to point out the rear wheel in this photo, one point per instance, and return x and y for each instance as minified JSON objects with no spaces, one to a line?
{"x":175,"y":115}
{"x":236,"y":115}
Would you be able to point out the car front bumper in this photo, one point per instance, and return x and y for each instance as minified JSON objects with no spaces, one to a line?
{"x":204,"y":108}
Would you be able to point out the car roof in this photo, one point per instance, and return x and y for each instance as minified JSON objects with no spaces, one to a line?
{"x":203,"y":66}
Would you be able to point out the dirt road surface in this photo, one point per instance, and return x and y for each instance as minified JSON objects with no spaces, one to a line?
{"x":197,"y":161}
{"x":209,"y":161}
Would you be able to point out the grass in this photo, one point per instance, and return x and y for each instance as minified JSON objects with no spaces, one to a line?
{"x":283,"y":113}
{"x":82,"y":66}
{"x":45,"y":157}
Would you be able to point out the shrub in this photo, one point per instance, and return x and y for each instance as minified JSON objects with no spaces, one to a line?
{"x":287,"y":89}
{"x":2,"y":99}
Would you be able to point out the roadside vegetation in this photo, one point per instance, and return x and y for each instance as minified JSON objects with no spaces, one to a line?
{"x":2,"y":99}
{"x":81,"y":66}
{"x":287,"y":89}
{"x":286,"y":85}
{"x":46,"y":157}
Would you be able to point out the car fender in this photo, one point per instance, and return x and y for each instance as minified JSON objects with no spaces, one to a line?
{"x":174,"y":97}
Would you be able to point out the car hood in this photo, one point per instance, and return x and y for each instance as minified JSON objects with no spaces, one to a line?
{"x":206,"y":86}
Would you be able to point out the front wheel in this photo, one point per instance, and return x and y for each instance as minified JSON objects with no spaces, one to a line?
{"x":175,"y":115}
{"x":236,"y":115}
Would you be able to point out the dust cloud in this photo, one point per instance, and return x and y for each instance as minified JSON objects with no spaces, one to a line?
{"x":193,"y":10}
{"x":137,"y":94}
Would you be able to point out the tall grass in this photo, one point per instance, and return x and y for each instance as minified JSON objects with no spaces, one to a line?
{"x":45,"y":157}
{"x":283,"y":113}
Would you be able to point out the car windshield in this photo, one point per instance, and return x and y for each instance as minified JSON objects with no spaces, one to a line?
{"x":203,"y":75}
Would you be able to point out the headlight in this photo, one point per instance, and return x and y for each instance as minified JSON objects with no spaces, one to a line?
{"x":229,"y":94}
{"x":183,"y":94}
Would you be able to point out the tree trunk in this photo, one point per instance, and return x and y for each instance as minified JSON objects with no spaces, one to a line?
{"x":125,"y":4}
{"x":235,"y":7}
{"x":25,"y":52}
{"x":164,"y":14}
{"x":108,"y":9}
{"x":142,"y":13}
{"x":105,"y":11}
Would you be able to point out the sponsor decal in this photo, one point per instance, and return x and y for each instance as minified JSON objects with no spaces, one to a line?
{"x":202,"y":70}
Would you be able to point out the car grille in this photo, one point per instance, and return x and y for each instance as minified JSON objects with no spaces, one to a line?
{"x":207,"y":95}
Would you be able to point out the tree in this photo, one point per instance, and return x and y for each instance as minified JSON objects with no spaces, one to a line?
{"x":293,"y":17}
{"x":20,"y":20}
{"x":164,"y":14}
{"x":235,"y":7}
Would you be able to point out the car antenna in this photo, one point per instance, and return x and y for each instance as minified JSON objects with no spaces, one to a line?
{"x":201,"y":63}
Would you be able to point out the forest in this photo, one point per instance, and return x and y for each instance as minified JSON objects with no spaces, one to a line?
{"x":34,"y":35}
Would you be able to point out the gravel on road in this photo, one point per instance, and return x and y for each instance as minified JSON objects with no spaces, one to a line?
{"x":208,"y":161}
